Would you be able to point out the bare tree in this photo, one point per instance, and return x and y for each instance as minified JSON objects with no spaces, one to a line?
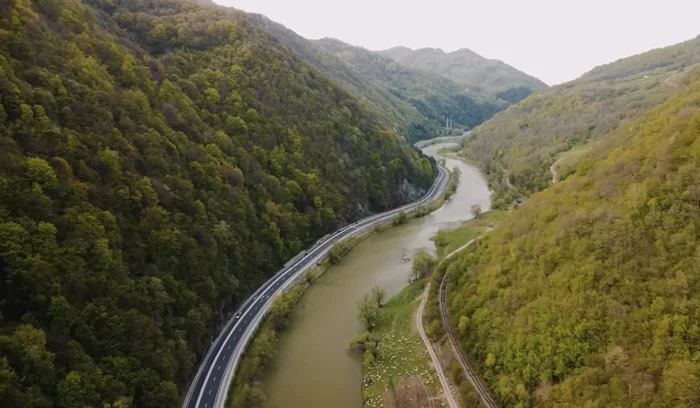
{"x":476,"y":210}
{"x":378,"y":295}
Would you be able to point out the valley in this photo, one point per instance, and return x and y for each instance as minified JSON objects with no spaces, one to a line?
{"x":314,"y":366}
{"x":203,"y":208}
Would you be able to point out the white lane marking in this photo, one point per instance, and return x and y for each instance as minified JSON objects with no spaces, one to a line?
{"x":367,"y":222}
{"x":209,"y":391}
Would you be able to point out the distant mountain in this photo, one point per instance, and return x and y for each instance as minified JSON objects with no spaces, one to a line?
{"x":434,"y":96}
{"x":470,"y":69}
{"x":398,"y":114}
{"x":415,"y":111}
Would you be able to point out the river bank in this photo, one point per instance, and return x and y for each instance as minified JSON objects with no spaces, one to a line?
{"x":314,"y":366}
{"x":400,"y":375}
{"x":244,"y":392}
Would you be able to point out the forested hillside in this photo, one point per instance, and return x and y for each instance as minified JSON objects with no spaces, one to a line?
{"x":397,"y":113}
{"x":528,"y":138}
{"x":588,"y":295}
{"x":158,"y":161}
{"x":433,"y":96}
{"x":470,"y":69}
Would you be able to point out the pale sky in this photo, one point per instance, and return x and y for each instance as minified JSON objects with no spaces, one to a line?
{"x":554,"y":40}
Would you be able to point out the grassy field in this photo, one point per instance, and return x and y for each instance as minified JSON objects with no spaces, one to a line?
{"x":447,"y":241}
{"x":402,"y":375}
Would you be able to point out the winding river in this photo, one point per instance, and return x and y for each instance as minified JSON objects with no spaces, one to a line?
{"x":314,"y":367}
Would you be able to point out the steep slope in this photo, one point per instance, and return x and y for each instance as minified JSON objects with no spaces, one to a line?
{"x":158,"y":161}
{"x":528,"y":138}
{"x":470,"y":69}
{"x":435,"y":97}
{"x":588,"y":295}
{"x":397,"y":113}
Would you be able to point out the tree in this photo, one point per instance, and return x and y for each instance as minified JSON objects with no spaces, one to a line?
{"x":248,"y":397}
{"x":159,"y":32}
{"x":378,"y":295}
{"x":423,"y":264}
{"x":311,"y":275}
{"x":463,"y":324}
{"x":680,"y":385}
{"x":142,"y":198}
{"x":367,"y":311}
{"x":400,"y":218}
{"x":476,"y":210}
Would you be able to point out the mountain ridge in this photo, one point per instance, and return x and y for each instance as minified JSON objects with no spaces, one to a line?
{"x":159,"y":160}
{"x":408,"y":105}
{"x":470,"y":69}
{"x":433,"y":95}
{"x":528,"y":138}
{"x":588,"y":294}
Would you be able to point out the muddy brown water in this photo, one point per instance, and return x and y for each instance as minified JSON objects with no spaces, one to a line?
{"x":314,"y":367}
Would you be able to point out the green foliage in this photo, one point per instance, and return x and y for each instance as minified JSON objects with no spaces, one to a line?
{"x":451,"y":188}
{"x":399,"y":219}
{"x":159,"y":161}
{"x":399,"y":352}
{"x":340,"y":249}
{"x":367,"y":311}
{"x":414,"y":102}
{"x":589,"y":294}
{"x":248,"y":397}
{"x":434,"y":96}
{"x":448,"y":240}
{"x":422,"y":265}
{"x":361,"y":340}
{"x":528,"y":138}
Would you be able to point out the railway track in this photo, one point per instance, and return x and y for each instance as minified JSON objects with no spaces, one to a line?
{"x":471,"y":375}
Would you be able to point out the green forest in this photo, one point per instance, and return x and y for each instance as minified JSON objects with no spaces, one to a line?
{"x":529,"y":137}
{"x":158,"y":161}
{"x":434,"y":96}
{"x":396,"y":113}
{"x":588,"y":295}
{"x":412,"y":101}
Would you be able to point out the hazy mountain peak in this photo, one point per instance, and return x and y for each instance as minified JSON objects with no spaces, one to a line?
{"x":431,"y":50}
{"x":470,"y":70}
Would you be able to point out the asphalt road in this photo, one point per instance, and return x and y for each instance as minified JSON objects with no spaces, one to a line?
{"x":212,"y":382}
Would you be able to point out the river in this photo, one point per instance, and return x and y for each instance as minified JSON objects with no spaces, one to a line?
{"x":314,"y":367}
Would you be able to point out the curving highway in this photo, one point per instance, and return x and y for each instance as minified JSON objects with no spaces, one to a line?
{"x":213,"y":380}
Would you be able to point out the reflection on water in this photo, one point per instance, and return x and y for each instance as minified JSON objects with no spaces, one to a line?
{"x":314,"y":367}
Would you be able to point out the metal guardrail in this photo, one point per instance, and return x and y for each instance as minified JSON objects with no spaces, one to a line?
{"x":357,"y":228}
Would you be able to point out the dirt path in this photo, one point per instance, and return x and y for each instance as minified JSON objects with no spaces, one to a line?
{"x":453,"y":253}
{"x":506,"y":181}
{"x":554,"y":169}
{"x":449,"y":397}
